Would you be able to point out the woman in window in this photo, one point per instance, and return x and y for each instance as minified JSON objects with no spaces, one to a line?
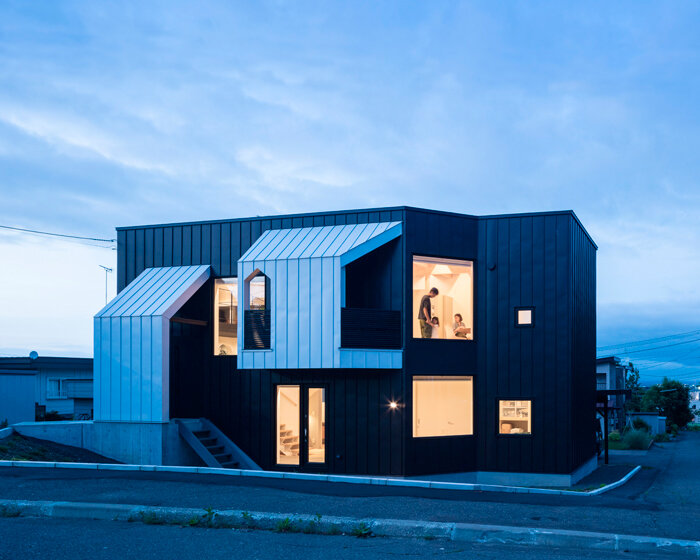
{"x":459,"y":329}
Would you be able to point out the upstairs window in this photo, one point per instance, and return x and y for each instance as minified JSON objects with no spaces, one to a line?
{"x":443,"y":298}
{"x":257,"y":312}
{"x":226,"y":317}
{"x":524,"y":317}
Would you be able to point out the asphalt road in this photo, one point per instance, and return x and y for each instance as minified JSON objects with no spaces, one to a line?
{"x":660,"y":501}
{"x":62,"y":539}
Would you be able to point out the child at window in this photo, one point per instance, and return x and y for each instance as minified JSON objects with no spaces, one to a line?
{"x":435,"y":323}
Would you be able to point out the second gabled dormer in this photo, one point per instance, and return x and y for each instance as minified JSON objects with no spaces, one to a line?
{"x":303,"y":303}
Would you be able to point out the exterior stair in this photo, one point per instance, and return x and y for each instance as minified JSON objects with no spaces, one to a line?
{"x":212,"y":446}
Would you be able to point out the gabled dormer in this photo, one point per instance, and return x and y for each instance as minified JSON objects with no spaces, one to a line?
{"x":294,"y":291}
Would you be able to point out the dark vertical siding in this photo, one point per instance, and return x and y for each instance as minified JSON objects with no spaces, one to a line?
{"x":525,"y":261}
{"x":544,"y":260}
{"x":583,"y":384}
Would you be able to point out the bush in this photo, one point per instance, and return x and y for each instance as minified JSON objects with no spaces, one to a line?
{"x":614,"y":436}
{"x":639,"y":424}
{"x":694,"y":427}
{"x":673,"y":428}
{"x":636,"y":439}
{"x":661,"y":438}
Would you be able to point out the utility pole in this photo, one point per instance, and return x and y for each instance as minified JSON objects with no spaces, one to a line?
{"x":107,"y":271}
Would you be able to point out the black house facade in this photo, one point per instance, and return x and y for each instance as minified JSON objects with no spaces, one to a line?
{"x":391,"y":341}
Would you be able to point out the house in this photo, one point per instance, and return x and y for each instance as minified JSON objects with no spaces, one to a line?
{"x":34,"y":386}
{"x":611,"y":374}
{"x":394,"y":341}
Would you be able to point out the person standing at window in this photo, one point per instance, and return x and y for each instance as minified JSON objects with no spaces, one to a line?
{"x":425,"y":315}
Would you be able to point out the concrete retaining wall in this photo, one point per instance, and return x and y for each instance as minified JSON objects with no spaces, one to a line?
{"x":141,"y":444}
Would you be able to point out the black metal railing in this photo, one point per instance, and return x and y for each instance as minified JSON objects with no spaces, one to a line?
{"x":256,"y":329}
{"x":370,"y":328}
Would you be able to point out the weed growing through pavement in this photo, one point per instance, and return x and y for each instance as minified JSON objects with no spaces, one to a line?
{"x":286,"y":526}
{"x":362,"y":530}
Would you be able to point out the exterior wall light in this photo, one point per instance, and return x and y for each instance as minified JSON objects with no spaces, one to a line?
{"x":393,"y":405}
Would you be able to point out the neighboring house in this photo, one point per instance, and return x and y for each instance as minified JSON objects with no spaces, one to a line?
{"x":305,"y":339}
{"x":611,"y":373}
{"x":60,"y":385}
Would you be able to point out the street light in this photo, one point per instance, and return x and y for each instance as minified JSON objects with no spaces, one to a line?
{"x":107,"y":271}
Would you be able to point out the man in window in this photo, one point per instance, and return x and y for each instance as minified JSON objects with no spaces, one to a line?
{"x":424,"y":314}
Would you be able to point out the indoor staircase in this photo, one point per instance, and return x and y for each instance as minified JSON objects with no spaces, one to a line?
{"x":289,"y":443}
{"x":212,"y":446}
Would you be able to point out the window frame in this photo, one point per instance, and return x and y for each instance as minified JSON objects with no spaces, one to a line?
{"x":475,"y":306}
{"x":61,"y":390}
{"x":470,"y":377}
{"x":215,"y":317}
{"x":531,"y":400}
{"x":531,"y":324}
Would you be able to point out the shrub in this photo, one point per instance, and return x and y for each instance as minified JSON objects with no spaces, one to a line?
{"x":639,"y":424}
{"x":694,"y":427}
{"x":661,"y":438}
{"x":614,"y":436}
{"x":673,"y":428}
{"x":4,"y":424}
{"x":362,"y":530}
{"x":636,"y":439}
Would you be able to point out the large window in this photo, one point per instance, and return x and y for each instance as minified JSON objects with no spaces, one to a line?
{"x":443,"y":298}
{"x":514,"y":417}
{"x":226,"y":317}
{"x":442,"y":406}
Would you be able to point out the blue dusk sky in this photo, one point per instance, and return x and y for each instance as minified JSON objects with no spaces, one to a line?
{"x":124,"y":113}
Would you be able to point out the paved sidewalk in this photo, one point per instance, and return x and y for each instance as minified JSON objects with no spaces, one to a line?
{"x":649,"y":504}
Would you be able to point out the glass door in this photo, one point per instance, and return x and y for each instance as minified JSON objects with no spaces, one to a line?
{"x":316,"y":424}
{"x":301,"y":425}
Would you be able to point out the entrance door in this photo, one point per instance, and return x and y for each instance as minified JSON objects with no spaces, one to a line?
{"x":301,"y":426}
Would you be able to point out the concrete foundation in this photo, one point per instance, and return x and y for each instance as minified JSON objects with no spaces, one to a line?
{"x":538,"y":479}
{"x":148,"y":443}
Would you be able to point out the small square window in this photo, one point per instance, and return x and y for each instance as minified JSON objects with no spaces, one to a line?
{"x":524,"y":317}
{"x":514,"y":417}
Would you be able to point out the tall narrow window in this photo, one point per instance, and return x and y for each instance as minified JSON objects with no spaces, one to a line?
{"x":442,"y":406}
{"x":256,"y":314}
{"x":515,"y":417}
{"x":288,"y":434}
{"x":317,"y":424}
{"x":443,"y":298}
{"x":226,"y":317}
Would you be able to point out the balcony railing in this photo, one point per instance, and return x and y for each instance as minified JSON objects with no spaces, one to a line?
{"x":256,"y":329}
{"x":370,"y":328}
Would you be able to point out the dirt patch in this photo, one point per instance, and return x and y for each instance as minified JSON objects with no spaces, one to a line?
{"x":21,"y":448}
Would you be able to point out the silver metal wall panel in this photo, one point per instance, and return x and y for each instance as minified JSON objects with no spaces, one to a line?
{"x":305,"y":270}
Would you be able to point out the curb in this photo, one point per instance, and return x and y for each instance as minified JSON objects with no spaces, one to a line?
{"x":348,"y":479}
{"x":331,"y":525}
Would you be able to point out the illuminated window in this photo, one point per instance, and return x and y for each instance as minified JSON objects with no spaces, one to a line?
{"x":443,"y":298}
{"x":442,"y":406}
{"x":514,"y":417}
{"x":226,"y":317}
{"x":256,"y":312}
{"x":524,"y":316}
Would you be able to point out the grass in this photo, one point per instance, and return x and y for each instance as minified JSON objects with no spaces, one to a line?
{"x":362,"y":530}
{"x":286,"y":525}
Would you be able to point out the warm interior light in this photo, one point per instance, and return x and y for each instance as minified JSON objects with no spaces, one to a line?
{"x":393,"y":404}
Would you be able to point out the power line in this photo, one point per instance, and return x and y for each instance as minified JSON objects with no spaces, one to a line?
{"x":24,"y":230}
{"x":648,"y":340}
{"x":659,"y":347}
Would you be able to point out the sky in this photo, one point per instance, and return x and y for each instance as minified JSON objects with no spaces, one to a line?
{"x":125,"y":113}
